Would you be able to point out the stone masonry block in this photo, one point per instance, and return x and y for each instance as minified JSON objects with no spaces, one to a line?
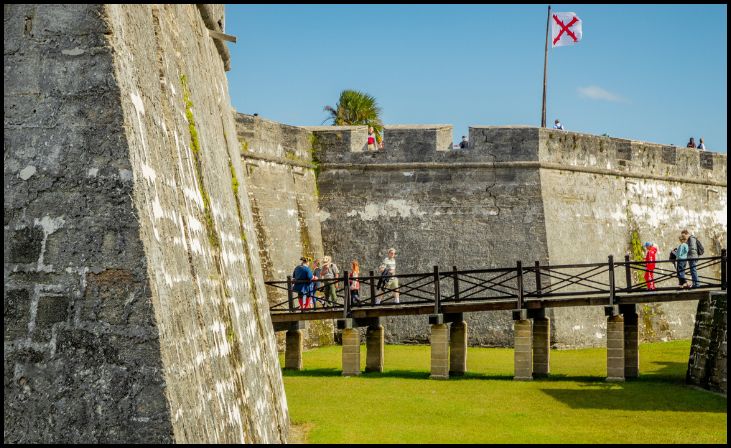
{"x":25,"y":245}
{"x":16,"y":314}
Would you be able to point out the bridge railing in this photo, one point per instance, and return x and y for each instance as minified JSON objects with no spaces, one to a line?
{"x":519,"y":283}
{"x":711,"y":273}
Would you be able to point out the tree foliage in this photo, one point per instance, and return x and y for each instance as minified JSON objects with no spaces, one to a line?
{"x":356,"y":108}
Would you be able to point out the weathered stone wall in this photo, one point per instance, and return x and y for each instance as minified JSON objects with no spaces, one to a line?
{"x":435,"y":206}
{"x":518,"y":193}
{"x":708,"y":362}
{"x":280,"y":176}
{"x":601,"y":193}
{"x":134,"y":307}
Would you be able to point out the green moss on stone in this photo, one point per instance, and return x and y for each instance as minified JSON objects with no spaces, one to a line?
{"x":213,"y":238}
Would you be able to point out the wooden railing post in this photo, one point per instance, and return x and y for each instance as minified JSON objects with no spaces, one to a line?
{"x":290,"y":300}
{"x":456,"y":283}
{"x":346,"y":295}
{"x":724,"y":272}
{"x":373,"y":288}
{"x":519,"y":268}
{"x":437,"y":297}
{"x":627,"y":273}
{"x":611,"y":280}
{"x":538,"y":279}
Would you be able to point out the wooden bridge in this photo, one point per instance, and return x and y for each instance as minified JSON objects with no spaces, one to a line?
{"x":526,"y":290}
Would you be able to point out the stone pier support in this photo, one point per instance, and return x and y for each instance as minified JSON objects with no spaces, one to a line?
{"x":458,"y":348}
{"x":631,"y":341}
{"x":541,"y":345}
{"x":615,"y":348}
{"x":523,"y":350}
{"x":374,"y":348}
{"x":439,"y":351}
{"x":351,"y":352}
{"x":293,"y":350}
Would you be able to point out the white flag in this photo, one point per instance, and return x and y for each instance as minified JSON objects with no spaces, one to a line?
{"x":566,"y":29}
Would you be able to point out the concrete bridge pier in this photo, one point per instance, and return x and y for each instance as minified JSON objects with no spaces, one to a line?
{"x":523,"y":346}
{"x":351,"y":351}
{"x":374,"y":347}
{"x":615,"y":344}
{"x":351,"y":344}
{"x":439,"y":347}
{"x":458,"y":346}
{"x":541,"y":342}
{"x":294,"y":343}
{"x":631,"y":340}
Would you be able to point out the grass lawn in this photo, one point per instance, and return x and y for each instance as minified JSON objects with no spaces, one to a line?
{"x":573,"y":405}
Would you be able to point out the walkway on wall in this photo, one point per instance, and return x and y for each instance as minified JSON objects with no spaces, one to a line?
{"x":526,"y":290}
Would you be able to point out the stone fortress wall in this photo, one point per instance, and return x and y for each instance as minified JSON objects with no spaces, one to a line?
{"x":280,"y":176}
{"x":518,"y":193}
{"x":135,"y":308}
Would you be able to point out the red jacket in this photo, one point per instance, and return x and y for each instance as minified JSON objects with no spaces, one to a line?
{"x":651,"y":257}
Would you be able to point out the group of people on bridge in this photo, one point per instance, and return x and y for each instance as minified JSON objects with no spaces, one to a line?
{"x":686,"y":254}
{"x":319,"y":282}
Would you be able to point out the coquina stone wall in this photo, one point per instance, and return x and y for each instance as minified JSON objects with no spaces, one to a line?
{"x":517,"y":193}
{"x":435,"y":206}
{"x":135,"y":308}
{"x":602,"y":194}
{"x":281,"y":179}
{"x":708,"y":362}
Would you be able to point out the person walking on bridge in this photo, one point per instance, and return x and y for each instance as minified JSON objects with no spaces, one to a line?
{"x":694,"y":250}
{"x":651,"y":250}
{"x":302,"y":283}
{"x":388,"y":271}
{"x":330,"y":272}
{"x":682,"y":260}
{"x":354,"y":282}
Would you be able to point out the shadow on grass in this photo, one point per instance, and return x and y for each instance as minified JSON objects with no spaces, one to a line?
{"x":629,"y":398}
{"x":312,"y":372}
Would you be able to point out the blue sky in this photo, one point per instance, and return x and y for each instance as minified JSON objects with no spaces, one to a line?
{"x":647,"y":72}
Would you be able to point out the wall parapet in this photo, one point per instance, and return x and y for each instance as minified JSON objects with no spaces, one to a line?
{"x":414,"y":144}
{"x":268,"y":140}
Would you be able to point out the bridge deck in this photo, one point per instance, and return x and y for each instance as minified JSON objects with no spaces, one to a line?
{"x":554,"y":302}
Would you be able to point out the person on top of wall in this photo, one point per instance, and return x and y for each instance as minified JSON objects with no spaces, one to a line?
{"x":650,"y":251}
{"x":701,"y":145}
{"x":695,"y":248}
{"x":557,"y":125}
{"x":388,"y":278}
{"x":329,"y":273}
{"x":302,"y":276}
{"x":691,"y":143}
{"x":372,"y":139}
{"x":464,"y":143}
{"x":682,"y":259}
{"x":353,"y":282}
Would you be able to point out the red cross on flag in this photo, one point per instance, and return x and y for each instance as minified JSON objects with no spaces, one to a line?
{"x":566,"y":29}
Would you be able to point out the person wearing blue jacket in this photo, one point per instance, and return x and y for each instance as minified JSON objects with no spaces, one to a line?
{"x":302,"y":276}
{"x":682,"y":260}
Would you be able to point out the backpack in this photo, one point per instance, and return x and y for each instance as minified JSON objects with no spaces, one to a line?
{"x":698,"y":246}
{"x":674,"y":254}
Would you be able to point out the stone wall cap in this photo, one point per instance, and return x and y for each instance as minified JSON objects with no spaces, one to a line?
{"x":266,"y":120}
{"x":416,"y":126}
{"x":332,"y":128}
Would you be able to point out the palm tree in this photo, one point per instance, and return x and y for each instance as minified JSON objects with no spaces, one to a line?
{"x":356,"y":108}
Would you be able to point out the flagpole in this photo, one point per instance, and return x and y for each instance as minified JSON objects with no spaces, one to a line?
{"x":545,"y":66}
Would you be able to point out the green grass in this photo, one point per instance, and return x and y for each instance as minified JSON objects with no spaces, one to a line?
{"x":573,"y":405}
